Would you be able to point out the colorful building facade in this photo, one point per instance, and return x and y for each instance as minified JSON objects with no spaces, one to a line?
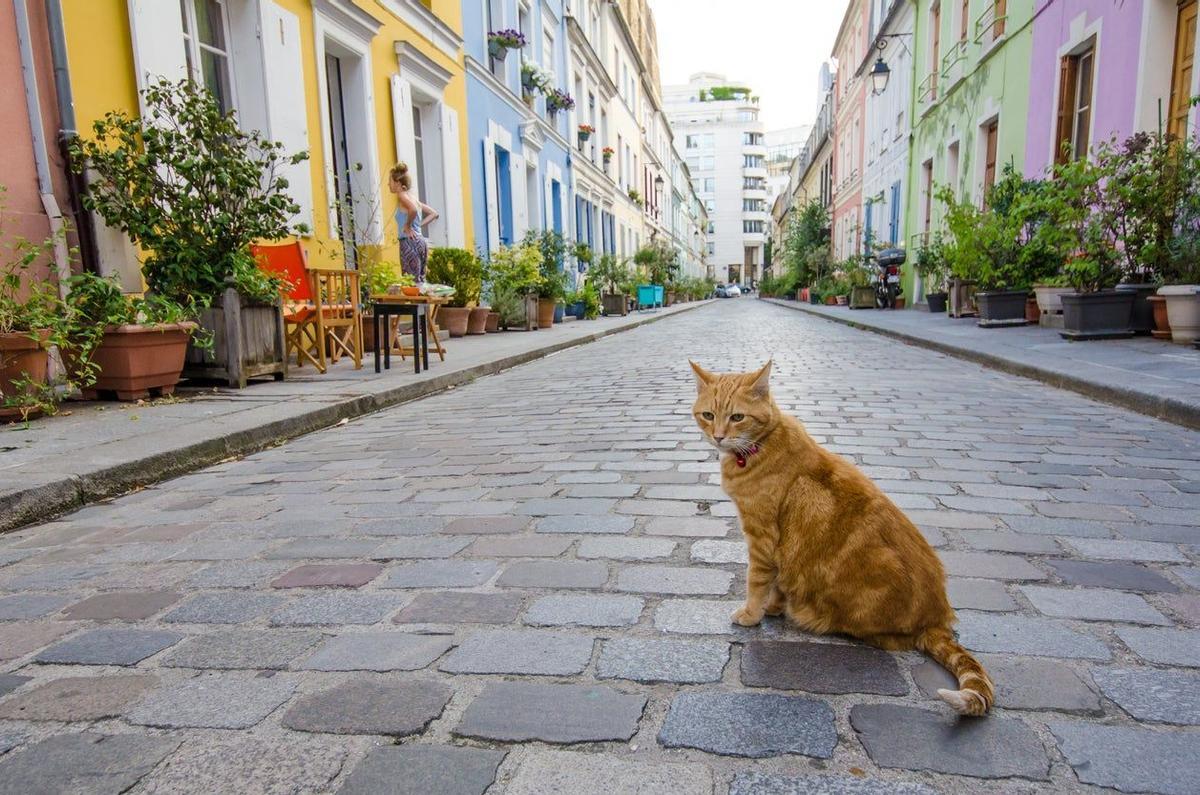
{"x":850,"y":92}
{"x":359,"y":85}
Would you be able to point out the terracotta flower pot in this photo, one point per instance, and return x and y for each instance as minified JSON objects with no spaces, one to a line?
{"x":831,"y":300}
{"x":545,"y":313}
{"x":20,"y":357}
{"x":1032,"y":313}
{"x":493,"y":322}
{"x":134,"y":360}
{"x":454,"y":319}
{"x":1162,"y":326}
{"x":477,"y":320}
{"x":898,"y":303}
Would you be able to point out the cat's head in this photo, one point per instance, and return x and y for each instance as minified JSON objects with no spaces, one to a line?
{"x":734,"y":410}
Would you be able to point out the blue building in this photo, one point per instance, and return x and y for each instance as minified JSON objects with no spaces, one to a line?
{"x":520,"y":152}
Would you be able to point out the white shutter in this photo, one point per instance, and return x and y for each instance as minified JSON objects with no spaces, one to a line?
{"x":156,"y":28}
{"x":452,"y":174}
{"x":287,"y":118}
{"x":491,"y":191}
{"x":520,"y":196}
{"x":402,"y":121}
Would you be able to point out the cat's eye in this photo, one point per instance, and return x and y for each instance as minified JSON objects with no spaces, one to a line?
{"x":708,"y":415}
{"x":737,"y":417}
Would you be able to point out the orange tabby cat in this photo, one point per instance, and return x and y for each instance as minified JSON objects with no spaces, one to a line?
{"x":827,"y":547}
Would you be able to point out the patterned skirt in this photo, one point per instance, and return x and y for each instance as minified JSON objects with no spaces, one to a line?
{"x":414,"y":252}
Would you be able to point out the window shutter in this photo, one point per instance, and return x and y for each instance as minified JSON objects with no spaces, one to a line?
{"x":287,"y":119}
{"x":1066,"y":102}
{"x":548,"y":203}
{"x":492,"y":193}
{"x":520,"y":196}
{"x":402,"y":122}
{"x":156,"y":28}
{"x":452,"y":175}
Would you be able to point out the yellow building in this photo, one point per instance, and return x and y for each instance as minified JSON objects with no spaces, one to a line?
{"x":359,"y":84}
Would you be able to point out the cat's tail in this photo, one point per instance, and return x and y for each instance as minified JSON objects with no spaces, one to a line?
{"x":975,"y":693}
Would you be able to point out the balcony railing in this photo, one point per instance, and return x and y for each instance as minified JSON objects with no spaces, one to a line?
{"x":918,"y":241}
{"x":989,"y":26}
{"x":956,"y":56}
{"x":927,"y":88}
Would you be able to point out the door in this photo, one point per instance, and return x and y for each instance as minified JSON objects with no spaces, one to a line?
{"x":1181,"y":73}
{"x":989,"y":161}
{"x":342,"y":188}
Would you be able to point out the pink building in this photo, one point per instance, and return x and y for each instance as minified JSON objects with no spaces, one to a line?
{"x":1112,"y":68}
{"x":29,"y":200}
{"x":850,"y":103}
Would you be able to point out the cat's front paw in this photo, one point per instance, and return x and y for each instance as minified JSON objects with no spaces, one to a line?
{"x":747,"y":617}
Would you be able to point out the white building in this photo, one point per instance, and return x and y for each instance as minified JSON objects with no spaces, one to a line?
{"x":782,"y":148}
{"x":726,"y":154}
{"x":887,"y":123}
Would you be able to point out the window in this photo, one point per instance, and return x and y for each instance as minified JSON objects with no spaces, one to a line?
{"x":952,"y":166}
{"x":708,"y":163}
{"x":752,"y":227}
{"x":935,"y":39}
{"x":999,"y":19}
{"x":710,"y":185}
{"x":495,"y":21}
{"x":548,"y":48}
{"x":1181,"y":72}
{"x":1074,"y":104}
{"x":419,"y":152}
{"x":205,"y":43}
{"x":752,"y":161}
{"x":926,"y":195}
{"x":963,"y":17}
{"x":712,"y":229}
{"x":712,"y":249}
{"x":991,"y":133}
{"x":710,"y":205}
{"x":752,"y":139}
{"x":753,"y":205}
{"x":693,"y":142}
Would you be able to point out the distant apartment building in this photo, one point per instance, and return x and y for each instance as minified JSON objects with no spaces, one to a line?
{"x":782,"y":147}
{"x":726,"y":154}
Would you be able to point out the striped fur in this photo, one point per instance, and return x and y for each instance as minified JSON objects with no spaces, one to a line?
{"x":826,"y":546}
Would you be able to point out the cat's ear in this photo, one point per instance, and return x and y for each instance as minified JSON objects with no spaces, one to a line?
{"x":703,"y":377}
{"x":760,"y":382}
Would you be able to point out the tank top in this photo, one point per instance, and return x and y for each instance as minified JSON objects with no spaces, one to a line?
{"x":402,"y":220}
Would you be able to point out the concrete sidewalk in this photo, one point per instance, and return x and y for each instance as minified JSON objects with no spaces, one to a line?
{"x":1146,"y":375}
{"x":96,"y":450}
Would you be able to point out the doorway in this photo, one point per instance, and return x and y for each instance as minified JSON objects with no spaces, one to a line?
{"x":343,"y":188}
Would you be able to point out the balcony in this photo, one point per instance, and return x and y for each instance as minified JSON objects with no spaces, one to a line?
{"x":989,"y":26}
{"x":927,"y":89}
{"x":752,"y":171}
{"x":754,"y":149}
{"x":755,"y":193}
{"x":954,"y":63}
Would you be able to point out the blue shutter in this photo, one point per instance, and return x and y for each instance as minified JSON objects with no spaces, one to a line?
{"x":894,"y":221}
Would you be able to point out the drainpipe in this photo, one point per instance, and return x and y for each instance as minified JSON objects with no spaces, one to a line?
{"x":40,"y":154}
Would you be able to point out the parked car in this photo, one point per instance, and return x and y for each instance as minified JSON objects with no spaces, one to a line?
{"x":732,"y":291}
{"x":721,"y":291}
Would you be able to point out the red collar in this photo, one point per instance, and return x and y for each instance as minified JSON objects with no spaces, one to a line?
{"x":741,"y":459}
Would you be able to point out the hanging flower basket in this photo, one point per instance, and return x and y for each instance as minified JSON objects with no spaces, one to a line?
{"x":585,"y":131}
{"x":557,"y":99}
{"x":501,"y":41}
{"x":534,"y":79}
{"x":607,"y":153}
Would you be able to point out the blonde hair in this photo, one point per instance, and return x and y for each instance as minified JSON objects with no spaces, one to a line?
{"x":399,"y":173}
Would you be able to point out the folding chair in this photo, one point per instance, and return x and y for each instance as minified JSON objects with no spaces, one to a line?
{"x":299,"y":313}
{"x":339,"y":312}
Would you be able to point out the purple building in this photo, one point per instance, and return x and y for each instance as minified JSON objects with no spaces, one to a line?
{"x":1107,"y":68}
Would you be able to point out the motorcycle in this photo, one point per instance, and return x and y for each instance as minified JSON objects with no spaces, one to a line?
{"x":886,"y":279}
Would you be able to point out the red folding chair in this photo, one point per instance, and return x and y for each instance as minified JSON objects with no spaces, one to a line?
{"x":299,"y":312}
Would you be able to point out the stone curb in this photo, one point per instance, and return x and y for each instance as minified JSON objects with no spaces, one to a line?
{"x":48,"y":500}
{"x":1163,"y":408}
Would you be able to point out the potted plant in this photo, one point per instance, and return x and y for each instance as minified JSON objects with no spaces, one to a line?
{"x":556,"y":100}
{"x":636,"y":197}
{"x":128,"y":347}
{"x":514,"y":273}
{"x":858,"y":278}
{"x":461,"y":270}
{"x":193,"y":190}
{"x":933,"y":270}
{"x":1180,"y":260}
{"x":1079,"y":230}
{"x":610,"y":273}
{"x":590,"y":297}
{"x":585,"y":132}
{"x":376,"y":277}
{"x":31,"y":321}
{"x":501,"y":41}
{"x":606,"y":154}
{"x":552,"y":287}
{"x":534,"y":80}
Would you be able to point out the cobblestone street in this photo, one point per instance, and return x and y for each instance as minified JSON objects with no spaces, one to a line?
{"x":523,"y":585}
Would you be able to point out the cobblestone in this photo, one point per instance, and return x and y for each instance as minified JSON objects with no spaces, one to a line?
{"x":459,"y":526}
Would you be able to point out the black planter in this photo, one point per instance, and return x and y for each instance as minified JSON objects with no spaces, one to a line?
{"x":999,"y":308}
{"x":937,"y":303}
{"x":1141,"y":319}
{"x":1097,"y":316}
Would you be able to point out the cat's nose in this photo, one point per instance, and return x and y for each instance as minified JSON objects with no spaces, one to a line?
{"x":718,"y":439}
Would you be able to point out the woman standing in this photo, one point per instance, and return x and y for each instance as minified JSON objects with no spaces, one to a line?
{"x":412,"y":216}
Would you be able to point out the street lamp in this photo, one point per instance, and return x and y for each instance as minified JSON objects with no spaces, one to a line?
{"x":879,"y":76}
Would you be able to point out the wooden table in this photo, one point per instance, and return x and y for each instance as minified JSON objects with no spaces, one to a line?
{"x":434,"y":303}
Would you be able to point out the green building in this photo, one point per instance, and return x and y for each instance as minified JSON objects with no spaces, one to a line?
{"x":969,"y":106}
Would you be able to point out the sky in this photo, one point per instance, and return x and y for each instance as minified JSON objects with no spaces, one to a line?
{"x":775,"y":47}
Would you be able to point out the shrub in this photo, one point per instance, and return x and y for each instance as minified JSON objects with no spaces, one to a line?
{"x":513,"y":272}
{"x":610,"y":273}
{"x":460,"y":269}
{"x":192,"y":189}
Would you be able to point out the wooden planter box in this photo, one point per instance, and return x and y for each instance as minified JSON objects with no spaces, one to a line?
{"x":615,"y":304}
{"x":862,"y":298}
{"x":248,"y":342}
{"x":962,"y":298}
